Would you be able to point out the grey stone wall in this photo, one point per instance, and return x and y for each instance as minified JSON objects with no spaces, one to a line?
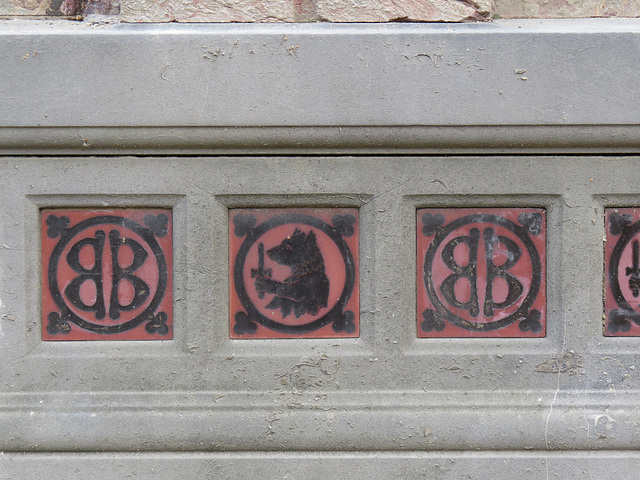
{"x":388,"y":119}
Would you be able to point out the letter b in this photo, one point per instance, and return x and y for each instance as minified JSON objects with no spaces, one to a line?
{"x":447,"y":288}
{"x":72,"y":291}
{"x":140,"y":287}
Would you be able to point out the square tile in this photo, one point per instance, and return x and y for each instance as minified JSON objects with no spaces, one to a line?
{"x":294,"y":273}
{"x":622,"y":272}
{"x":481,"y":272}
{"x":107,"y":274}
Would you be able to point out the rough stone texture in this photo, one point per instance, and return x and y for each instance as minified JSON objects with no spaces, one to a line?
{"x":409,"y":10}
{"x":56,"y":8}
{"x":564,"y":8}
{"x":208,"y":11}
{"x":23,"y":7}
{"x":247,"y":11}
{"x":304,"y":11}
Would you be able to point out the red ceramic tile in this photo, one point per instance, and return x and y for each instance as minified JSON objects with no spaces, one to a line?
{"x":481,"y":272}
{"x":294,"y":273}
{"x":622,"y":272}
{"x":107,"y":275}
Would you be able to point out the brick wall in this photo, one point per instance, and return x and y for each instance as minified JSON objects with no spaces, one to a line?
{"x":320,"y":10}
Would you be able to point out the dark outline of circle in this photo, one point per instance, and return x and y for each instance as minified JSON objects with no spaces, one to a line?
{"x":254,"y":234}
{"x":614,"y":264}
{"x":142,"y":232}
{"x":521,"y":233}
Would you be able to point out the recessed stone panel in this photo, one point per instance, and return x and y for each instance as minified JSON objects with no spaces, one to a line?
{"x":481,"y":272}
{"x":294,"y":273}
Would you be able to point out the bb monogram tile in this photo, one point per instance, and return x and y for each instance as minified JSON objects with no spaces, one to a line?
{"x":481,"y":272}
{"x":107,"y":274}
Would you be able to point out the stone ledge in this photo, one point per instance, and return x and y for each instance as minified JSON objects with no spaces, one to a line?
{"x":341,"y":465}
{"x":380,"y":140}
{"x":364,"y":421}
{"x":327,"y":87}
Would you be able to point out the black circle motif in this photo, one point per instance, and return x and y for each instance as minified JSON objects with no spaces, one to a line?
{"x":67,"y":314}
{"x":342,"y":321}
{"x":618,"y":319}
{"x":522,"y":312}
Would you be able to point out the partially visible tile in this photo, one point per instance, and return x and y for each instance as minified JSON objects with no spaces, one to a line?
{"x":294,"y":273}
{"x":107,"y":274}
{"x":622,"y":272}
{"x":481,"y":272}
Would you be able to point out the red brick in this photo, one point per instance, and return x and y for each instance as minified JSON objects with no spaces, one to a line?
{"x":407,"y":10}
{"x":304,"y":11}
{"x":242,"y":11}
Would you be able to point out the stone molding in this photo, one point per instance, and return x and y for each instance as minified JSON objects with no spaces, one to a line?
{"x":511,"y":86}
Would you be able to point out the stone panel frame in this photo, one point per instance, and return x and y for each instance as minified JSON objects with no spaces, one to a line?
{"x":34,"y":204}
